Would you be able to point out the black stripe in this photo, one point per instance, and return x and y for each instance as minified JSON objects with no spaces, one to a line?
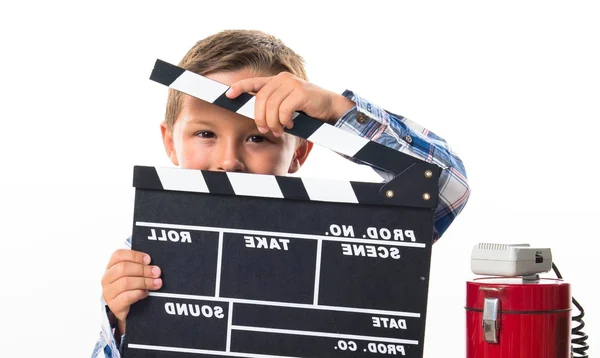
{"x":367,"y":193}
{"x":146,"y":178}
{"x":292,"y":188}
{"x":385,"y":158}
{"x":232,"y":104}
{"x":304,"y":126}
{"x":218,"y":183}
{"x":165,"y":73}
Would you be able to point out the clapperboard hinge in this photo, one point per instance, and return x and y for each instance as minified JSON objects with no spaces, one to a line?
{"x":415,"y":181}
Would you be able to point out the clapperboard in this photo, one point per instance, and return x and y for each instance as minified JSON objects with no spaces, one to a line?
{"x":274,"y":266}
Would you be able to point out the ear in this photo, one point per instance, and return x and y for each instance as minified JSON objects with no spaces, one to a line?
{"x":300,"y":155}
{"x":167,"y":136}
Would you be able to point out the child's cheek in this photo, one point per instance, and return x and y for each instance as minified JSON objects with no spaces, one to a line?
{"x":195,"y":155}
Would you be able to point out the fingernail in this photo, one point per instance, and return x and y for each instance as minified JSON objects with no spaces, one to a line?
{"x":228,"y":93}
{"x":263,"y":129}
{"x":157,"y":282}
{"x":146,"y":259}
{"x":156,"y":270}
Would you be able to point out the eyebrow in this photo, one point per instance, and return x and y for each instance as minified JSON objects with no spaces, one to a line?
{"x":200,"y":120}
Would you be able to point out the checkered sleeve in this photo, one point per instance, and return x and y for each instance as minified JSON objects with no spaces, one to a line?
{"x":375,"y":123}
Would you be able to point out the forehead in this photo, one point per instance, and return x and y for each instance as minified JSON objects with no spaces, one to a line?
{"x":193,"y":109}
{"x":230,"y":77}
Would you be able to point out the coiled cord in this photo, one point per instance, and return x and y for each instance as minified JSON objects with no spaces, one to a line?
{"x":578,"y":337}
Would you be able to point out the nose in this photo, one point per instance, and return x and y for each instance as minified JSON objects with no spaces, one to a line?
{"x":229,"y":158}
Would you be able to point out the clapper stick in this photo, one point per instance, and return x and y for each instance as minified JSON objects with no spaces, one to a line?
{"x":422,"y":177}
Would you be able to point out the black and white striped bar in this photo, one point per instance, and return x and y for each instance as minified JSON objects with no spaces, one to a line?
{"x":316,"y":131}
{"x":266,"y":186}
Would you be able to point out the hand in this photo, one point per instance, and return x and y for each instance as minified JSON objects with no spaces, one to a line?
{"x":128,"y":279}
{"x":279,"y":96}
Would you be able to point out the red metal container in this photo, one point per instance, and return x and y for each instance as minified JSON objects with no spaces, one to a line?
{"x":510,"y":317}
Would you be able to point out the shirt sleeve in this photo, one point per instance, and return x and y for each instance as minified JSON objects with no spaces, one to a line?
{"x":106,"y":346}
{"x":379,"y":125}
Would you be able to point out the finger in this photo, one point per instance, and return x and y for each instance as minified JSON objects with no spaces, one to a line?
{"x":272,"y":109}
{"x":125,"y":268}
{"x":128,"y":255}
{"x":288,"y":108}
{"x":129,"y":283}
{"x":120,"y":304}
{"x":247,"y":85}
{"x":260,"y":105}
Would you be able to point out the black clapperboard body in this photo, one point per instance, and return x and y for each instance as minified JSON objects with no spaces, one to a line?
{"x":273,"y":266}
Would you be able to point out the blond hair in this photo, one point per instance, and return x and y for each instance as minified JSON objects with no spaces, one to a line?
{"x":234,"y":50}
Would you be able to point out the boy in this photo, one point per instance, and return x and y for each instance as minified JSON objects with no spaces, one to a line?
{"x":198,"y":135}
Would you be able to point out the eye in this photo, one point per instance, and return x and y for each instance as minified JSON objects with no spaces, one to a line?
{"x":205,"y":134}
{"x":256,"y":138}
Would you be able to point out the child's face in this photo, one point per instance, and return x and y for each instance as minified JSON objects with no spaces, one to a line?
{"x":208,"y":137}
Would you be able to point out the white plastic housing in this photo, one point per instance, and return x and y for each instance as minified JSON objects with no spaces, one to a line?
{"x":509,"y":260}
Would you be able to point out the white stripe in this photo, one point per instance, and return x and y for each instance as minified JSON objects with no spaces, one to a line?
{"x":320,"y":190}
{"x":219,"y":260}
{"x":280,"y":234}
{"x":255,"y":185}
{"x":199,"y":86}
{"x":229,"y":324}
{"x":248,"y":108}
{"x":199,"y":351}
{"x":338,"y":140}
{"x":286,"y":304}
{"x":323,"y":334}
{"x":317,"y":272}
{"x":182,"y":179}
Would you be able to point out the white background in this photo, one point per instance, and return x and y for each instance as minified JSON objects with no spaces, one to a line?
{"x":514,"y":86}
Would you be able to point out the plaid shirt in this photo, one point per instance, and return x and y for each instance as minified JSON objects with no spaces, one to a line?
{"x":369,"y":121}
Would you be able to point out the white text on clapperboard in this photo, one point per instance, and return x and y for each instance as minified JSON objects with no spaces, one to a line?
{"x":274,"y":243}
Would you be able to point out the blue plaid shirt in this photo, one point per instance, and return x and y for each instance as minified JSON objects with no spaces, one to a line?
{"x":370,"y":121}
